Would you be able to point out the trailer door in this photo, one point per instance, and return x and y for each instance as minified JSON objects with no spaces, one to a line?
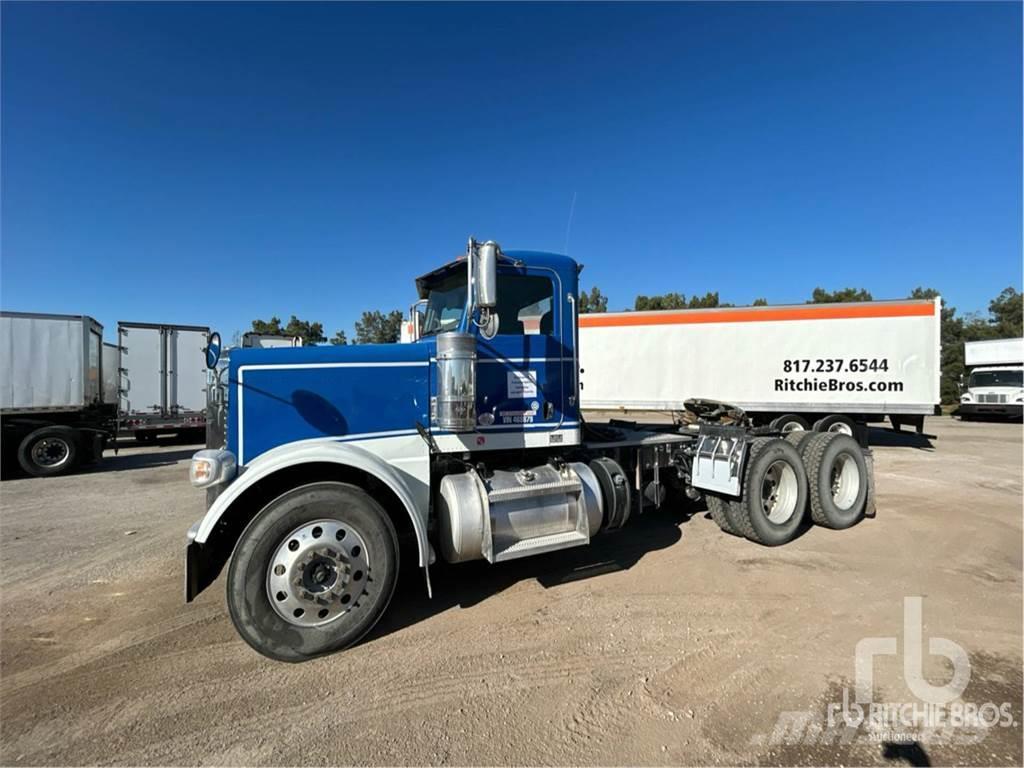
{"x":186,"y":370}
{"x":143,"y":358}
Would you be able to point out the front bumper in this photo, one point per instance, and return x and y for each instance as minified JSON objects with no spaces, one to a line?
{"x":1002,"y":410}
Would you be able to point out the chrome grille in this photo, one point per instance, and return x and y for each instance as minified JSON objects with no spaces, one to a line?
{"x":991,"y":398}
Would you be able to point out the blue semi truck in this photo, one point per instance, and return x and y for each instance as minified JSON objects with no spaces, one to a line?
{"x":325,"y":466}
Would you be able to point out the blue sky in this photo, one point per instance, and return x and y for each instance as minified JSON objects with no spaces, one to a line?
{"x":210,"y":164}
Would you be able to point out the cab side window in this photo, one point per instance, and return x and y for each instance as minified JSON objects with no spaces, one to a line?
{"x":525,"y":305}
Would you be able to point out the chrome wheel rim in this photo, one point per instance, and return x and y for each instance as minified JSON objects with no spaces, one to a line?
{"x":318,"y":573}
{"x":841,"y":428}
{"x":779,"y":492}
{"x":845,"y":482}
{"x":792,"y":426}
{"x":51,"y":452}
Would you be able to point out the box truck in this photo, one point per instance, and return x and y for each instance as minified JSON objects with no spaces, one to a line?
{"x":162,"y":379}
{"x":828,"y":367}
{"x":995,"y":382}
{"x":52,"y":403}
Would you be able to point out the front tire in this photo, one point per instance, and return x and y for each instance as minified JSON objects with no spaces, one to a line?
{"x":313,"y":572}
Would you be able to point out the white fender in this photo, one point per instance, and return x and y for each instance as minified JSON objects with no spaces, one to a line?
{"x":412,"y":486}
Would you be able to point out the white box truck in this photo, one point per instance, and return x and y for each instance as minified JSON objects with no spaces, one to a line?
{"x":995,"y":382}
{"x":52,"y":403}
{"x":824,"y":366}
{"x":162,"y":379}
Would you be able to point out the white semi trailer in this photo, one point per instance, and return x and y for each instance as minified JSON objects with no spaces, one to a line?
{"x":995,"y":385}
{"x":824,"y":366}
{"x":162,"y":378}
{"x":52,"y":403}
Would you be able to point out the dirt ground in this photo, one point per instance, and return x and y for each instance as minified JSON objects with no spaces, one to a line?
{"x":667,"y":643}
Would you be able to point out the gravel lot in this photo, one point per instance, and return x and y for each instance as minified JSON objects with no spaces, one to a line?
{"x":667,"y":643}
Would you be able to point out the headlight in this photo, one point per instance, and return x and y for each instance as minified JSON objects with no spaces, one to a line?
{"x":212,"y":467}
{"x":963,"y":399}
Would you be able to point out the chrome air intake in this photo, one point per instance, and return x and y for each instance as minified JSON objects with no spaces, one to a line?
{"x":456,"y":382}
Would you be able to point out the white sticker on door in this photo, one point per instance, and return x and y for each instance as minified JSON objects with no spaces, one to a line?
{"x":522,"y":384}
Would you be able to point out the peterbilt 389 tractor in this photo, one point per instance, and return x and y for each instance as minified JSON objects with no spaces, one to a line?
{"x":327,"y":466}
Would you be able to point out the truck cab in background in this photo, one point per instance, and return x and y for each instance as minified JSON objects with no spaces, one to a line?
{"x":994,"y":387}
{"x":330,"y":465}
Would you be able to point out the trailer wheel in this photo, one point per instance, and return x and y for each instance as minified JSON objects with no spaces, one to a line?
{"x":49,"y":451}
{"x":719,"y":510}
{"x":789,"y":422}
{"x":313,"y":572}
{"x":838,"y":478}
{"x":774,"y":499}
{"x":836,"y":422}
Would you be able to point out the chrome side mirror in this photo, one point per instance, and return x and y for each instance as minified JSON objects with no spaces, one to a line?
{"x":486,"y":275}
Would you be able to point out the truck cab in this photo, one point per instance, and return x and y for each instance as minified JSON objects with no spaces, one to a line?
{"x":994,"y":386}
{"x":327,"y":467}
{"x":994,"y":391}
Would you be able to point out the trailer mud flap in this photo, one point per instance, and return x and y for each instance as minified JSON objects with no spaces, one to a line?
{"x":718,"y":460}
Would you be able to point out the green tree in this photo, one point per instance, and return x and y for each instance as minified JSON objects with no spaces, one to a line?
{"x":708,"y":301}
{"x":821,"y":296}
{"x":311,"y":333}
{"x":595,"y":301}
{"x":760,"y":303}
{"x":951,"y":361}
{"x":339,"y":340}
{"x":665,"y":301}
{"x":378,"y":328}
{"x":1007,"y":310}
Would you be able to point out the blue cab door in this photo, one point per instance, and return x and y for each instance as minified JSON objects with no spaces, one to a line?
{"x":522,"y":372}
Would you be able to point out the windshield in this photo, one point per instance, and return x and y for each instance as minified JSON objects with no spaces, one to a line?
{"x":996,"y":379}
{"x":446,"y":303}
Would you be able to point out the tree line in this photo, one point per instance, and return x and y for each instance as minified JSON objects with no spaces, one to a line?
{"x":1005,"y":319}
{"x":374,"y":327}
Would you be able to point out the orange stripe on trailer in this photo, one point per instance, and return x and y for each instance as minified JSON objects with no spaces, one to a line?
{"x":810,"y":312}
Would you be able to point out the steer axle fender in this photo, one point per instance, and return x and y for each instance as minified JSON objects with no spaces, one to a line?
{"x":211,"y":539}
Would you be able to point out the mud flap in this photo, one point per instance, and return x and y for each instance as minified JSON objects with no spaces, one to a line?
{"x":869,"y":502}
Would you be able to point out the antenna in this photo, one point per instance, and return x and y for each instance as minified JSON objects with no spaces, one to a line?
{"x":568,"y":224}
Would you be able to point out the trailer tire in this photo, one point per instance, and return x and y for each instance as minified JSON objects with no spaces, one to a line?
{"x":836,"y":422}
{"x":352,"y":574}
{"x":718,"y":508}
{"x":838,"y":476}
{"x":49,"y":451}
{"x":789,"y":422}
{"x":773,"y":467}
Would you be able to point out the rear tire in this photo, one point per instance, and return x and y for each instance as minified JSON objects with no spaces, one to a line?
{"x":719,"y":511}
{"x":327,"y":595}
{"x":774,"y":500}
{"x":836,"y":422}
{"x":49,"y":451}
{"x":789,"y":422}
{"x":838,"y":478}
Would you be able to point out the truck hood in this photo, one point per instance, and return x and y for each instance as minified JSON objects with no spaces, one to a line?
{"x":362,"y":391}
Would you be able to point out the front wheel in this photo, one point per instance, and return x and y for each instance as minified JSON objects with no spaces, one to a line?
{"x":313,"y":572}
